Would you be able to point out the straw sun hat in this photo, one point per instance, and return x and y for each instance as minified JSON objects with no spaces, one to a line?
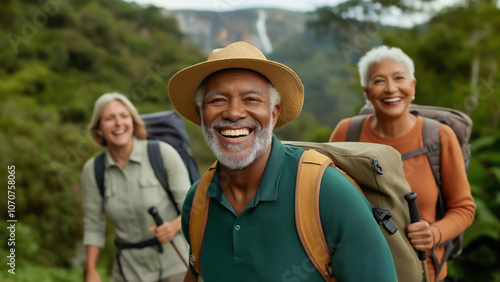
{"x":184,"y":84}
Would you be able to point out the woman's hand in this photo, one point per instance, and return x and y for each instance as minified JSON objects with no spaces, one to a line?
{"x":91,"y":275}
{"x":167,"y":231}
{"x":421,"y":236}
{"x":164,"y":233}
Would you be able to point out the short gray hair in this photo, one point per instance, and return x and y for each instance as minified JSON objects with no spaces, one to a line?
{"x":376,"y":55}
{"x":139,"y":127}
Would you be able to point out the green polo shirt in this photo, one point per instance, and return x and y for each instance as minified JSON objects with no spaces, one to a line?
{"x":261,"y":243}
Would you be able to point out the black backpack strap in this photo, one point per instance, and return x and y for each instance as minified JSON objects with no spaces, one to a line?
{"x":99,"y":172}
{"x":354,"y":130}
{"x":156,"y":161}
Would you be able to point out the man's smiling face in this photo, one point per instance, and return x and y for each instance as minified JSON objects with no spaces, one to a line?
{"x":237,"y":119}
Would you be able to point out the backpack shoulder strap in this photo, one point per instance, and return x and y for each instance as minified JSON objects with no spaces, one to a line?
{"x":99,"y":172}
{"x":156,"y":161}
{"x":311,"y":167}
{"x":432,"y":140}
{"x":354,"y":130}
{"x":432,"y":147}
{"x":198,"y":218}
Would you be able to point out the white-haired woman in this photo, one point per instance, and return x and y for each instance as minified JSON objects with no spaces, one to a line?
{"x":130,"y":189}
{"x":388,"y":81}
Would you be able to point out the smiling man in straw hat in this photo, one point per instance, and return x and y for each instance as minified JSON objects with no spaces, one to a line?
{"x":237,"y":97}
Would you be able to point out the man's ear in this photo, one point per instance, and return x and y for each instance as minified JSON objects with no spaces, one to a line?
{"x":276,"y":113}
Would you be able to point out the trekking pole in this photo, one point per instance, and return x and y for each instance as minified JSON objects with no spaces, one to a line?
{"x":411,"y":198}
{"x":153,"y":211}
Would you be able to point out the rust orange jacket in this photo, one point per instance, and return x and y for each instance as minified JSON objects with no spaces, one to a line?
{"x":460,"y":206}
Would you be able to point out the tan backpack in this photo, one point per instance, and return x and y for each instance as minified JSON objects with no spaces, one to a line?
{"x":375,"y":169}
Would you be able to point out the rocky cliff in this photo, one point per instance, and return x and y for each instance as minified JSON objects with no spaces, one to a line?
{"x":264,"y":28}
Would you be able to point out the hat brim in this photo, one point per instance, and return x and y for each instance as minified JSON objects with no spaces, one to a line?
{"x":183,"y":86}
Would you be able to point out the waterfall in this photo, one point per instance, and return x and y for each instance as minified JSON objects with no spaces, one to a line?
{"x":261,"y":32}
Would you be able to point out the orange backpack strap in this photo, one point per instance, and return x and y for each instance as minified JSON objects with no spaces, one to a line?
{"x":198,"y":217}
{"x":311,"y":167}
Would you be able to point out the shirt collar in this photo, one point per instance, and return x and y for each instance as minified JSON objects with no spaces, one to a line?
{"x":135,"y":156}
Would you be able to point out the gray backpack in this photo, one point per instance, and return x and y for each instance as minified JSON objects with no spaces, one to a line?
{"x":461,"y":125}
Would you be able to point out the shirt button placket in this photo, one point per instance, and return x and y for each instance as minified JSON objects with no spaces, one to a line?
{"x":237,"y":244}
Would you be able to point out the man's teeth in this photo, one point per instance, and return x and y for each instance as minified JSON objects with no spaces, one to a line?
{"x":237,"y":132}
{"x":390,"y":100}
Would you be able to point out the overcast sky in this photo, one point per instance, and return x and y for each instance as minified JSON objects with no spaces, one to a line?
{"x":229,"y":5}
{"x":226,"y":5}
{"x":393,"y":17}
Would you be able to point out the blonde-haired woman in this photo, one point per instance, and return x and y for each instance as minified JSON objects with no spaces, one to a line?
{"x":130,"y":189}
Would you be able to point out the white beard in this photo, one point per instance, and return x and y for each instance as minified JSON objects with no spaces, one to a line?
{"x":262,"y":141}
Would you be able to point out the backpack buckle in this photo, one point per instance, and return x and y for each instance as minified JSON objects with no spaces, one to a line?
{"x":383,"y":217}
{"x":192,"y":260}
{"x":433,"y":147}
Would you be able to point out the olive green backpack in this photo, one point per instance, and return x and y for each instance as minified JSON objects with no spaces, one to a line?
{"x":375,"y":169}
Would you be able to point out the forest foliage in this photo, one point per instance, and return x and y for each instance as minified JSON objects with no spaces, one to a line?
{"x":58,"y":56}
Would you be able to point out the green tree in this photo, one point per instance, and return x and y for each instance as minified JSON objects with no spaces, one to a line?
{"x":56,"y":58}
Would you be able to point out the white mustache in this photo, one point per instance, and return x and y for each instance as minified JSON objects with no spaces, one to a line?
{"x":240,"y":123}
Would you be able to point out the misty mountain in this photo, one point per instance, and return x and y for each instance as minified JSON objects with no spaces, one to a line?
{"x":329,"y":76}
{"x":264,"y":28}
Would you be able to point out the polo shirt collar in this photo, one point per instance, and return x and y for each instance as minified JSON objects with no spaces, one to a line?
{"x":268,"y":188}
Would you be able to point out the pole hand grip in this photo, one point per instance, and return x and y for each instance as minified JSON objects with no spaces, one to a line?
{"x":153,"y":211}
{"x":411,"y":198}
